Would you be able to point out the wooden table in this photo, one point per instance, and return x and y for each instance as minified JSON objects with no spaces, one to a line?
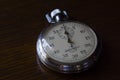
{"x":21,"y":22}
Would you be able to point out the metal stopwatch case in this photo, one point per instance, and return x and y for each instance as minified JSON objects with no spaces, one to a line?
{"x":67,"y":46}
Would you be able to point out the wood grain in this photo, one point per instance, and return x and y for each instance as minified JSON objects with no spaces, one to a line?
{"x":21,"y":21}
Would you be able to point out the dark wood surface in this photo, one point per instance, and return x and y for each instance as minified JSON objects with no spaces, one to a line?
{"x":21,"y":22}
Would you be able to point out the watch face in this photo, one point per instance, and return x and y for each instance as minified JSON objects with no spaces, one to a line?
{"x":69,"y":42}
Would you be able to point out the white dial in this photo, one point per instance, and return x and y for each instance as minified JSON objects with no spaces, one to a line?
{"x":69,"y":42}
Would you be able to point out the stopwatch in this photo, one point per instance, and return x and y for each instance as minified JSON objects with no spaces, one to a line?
{"x":67,"y":46}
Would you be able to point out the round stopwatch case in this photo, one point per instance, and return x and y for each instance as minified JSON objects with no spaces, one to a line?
{"x":67,"y":46}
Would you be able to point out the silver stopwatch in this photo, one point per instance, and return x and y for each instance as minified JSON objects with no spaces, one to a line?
{"x":67,"y":46}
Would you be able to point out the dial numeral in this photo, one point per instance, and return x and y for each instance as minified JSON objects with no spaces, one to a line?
{"x":52,"y":45}
{"x":63,"y":37}
{"x":73,"y":27}
{"x":82,"y":31}
{"x":75,"y":55}
{"x":87,"y":37}
{"x":83,"y":52}
{"x":88,"y":45}
{"x":51,"y":38}
{"x":65,"y":55}
{"x":56,"y":51}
